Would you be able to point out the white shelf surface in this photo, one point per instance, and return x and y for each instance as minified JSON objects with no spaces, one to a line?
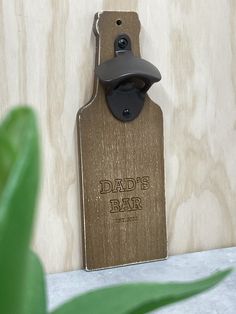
{"x":222,"y":299}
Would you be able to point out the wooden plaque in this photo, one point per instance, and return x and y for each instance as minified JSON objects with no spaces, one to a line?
{"x":121,"y":168}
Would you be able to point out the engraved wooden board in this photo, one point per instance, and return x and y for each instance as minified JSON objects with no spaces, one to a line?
{"x":121,"y":168}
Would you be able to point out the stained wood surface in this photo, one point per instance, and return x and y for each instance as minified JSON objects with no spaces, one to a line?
{"x":121,"y":167}
{"x":47,"y":60}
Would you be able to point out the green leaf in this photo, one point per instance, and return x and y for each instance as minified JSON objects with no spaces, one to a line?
{"x":19,"y":176}
{"x":137,"y":298}
{"x":34,"y":298}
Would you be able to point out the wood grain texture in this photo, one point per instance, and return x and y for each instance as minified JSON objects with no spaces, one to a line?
{"x":122,"y":168}
{"x":47,"y":59}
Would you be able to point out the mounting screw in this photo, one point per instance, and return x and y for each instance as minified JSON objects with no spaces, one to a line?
{"x":122,"y":43}
{"x":126,"y":113}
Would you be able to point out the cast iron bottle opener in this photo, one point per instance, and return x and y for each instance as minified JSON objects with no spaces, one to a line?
{"x":126,"y":79}
{"x":120,"y":133}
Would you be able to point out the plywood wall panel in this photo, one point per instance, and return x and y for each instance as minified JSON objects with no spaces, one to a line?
{"x":47,"y":59}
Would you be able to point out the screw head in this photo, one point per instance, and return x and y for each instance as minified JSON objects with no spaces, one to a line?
{"x":126,"y":113}
{"x":122,"y":43}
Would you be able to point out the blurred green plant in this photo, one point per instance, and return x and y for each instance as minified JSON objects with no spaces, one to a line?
{"x":22,"y":286}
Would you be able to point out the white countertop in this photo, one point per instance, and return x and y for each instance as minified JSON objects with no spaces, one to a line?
{"x":221,"y":299}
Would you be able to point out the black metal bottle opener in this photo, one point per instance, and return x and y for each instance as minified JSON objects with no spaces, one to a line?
{"x":126,"y":79}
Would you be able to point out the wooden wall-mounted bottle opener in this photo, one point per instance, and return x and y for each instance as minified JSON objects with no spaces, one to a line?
{"x":120,"y":134}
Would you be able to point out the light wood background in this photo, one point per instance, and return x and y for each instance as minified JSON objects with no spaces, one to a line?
{"x":47,"y":59}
